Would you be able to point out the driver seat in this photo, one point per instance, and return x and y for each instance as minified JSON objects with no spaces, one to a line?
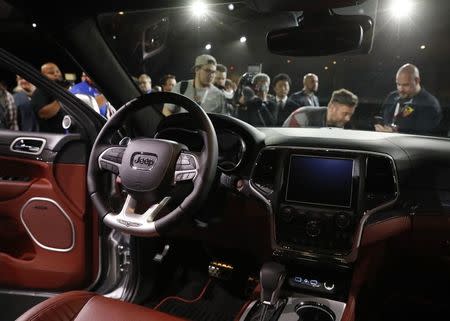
{"x":88,"y":306}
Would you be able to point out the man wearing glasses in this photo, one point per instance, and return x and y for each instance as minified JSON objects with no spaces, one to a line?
{"x":200,"y":89}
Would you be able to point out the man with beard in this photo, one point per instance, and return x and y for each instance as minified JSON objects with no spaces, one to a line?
{"x":200,"y":89}
{"x":338,"y":113}
{"x":410,"y":109}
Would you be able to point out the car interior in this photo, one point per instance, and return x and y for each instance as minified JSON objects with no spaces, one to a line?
{"x":203,"y":216}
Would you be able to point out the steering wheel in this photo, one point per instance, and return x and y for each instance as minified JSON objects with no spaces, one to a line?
{"x":149,"y":168}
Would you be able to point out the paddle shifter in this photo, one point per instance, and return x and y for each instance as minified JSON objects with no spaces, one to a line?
{"x":271,"y":278}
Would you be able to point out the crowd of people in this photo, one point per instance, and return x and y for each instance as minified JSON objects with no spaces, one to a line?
{"x":409,"y":109}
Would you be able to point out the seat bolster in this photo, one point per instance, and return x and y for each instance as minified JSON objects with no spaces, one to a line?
{"x":100,"y":308}
{"x":63,"y":307}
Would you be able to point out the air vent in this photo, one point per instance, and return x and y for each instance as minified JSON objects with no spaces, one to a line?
{"x":263,"y":178}
{"x":380,"y":185}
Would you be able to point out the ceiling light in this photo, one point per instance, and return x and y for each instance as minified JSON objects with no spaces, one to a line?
{"x":199,"y":9}
{"x":243,"y":39}
{"x":334,"y":62}
{"x":423,"y":47}
{"x":34,"y":25}
{"x":121,"y":13}
{"x":401,"y":8}
{"x":326,"y":68}
{"x":231,"y":7}
{"x":208,"y":46}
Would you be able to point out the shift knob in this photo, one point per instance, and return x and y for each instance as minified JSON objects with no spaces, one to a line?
{"x":271,"y":278}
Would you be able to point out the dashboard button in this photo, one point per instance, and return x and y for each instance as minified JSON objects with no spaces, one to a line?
{"x":287,"y":214}
{"x":342,"y":220}
{"x":313,"y":228}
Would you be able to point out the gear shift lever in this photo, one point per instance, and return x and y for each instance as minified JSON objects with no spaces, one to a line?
{"x":271,"y":278}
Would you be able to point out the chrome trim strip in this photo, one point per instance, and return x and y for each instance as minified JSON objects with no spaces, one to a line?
{"x":351,"y":257}
{"x":38,"y":139}
{"x":290,"y":310}
{"x":100,"y":158}
{"x":42,"y":294}
{"x":315,"y":305}
{"x":64,"y":213}
{"x":135,"y":224}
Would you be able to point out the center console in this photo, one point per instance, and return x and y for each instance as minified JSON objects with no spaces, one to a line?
{"x":319,"y":198}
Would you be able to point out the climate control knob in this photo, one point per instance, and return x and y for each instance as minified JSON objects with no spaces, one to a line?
{"x":287,"y":214}
{"x":313,"y":228}
{"x":342,"y":220}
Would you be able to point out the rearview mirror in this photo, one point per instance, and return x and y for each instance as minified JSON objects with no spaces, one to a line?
{"x":321,"y":36}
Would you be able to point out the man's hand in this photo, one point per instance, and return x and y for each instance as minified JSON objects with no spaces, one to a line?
{"x":49,"y":111}
{"x":385,"y":128}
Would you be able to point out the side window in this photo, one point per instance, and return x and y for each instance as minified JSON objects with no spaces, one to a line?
{"x":26,"y":107}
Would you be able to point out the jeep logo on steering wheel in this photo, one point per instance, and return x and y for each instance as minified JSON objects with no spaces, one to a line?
{"x":143,"y":161}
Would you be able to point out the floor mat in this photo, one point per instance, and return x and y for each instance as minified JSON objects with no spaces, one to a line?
{"x":212,"y":302}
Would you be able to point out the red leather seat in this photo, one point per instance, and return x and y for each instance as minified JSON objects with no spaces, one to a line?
{"x":87,"y":306}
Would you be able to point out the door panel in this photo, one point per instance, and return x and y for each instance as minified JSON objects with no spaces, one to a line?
{"x":45,"y":229}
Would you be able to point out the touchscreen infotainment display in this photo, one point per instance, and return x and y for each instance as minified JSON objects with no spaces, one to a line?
{"x":320,"y":180}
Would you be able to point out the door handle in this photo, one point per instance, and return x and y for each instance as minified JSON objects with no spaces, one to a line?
{"x":28,"y":145}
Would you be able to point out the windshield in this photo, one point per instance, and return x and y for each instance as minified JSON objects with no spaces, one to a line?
{"x":217,"y":55}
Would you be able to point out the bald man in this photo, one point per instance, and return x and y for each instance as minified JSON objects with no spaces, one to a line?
{"x":410,"y":109}
{"x":46,"y":107}
{"x":307,"y":96}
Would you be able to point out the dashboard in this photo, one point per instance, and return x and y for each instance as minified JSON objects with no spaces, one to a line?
{"x":322,"y":187}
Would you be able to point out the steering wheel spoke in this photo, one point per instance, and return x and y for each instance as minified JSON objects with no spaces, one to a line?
{"x":111,"y":159}
{"x":128,"y":221}
{"x":187,"y":167}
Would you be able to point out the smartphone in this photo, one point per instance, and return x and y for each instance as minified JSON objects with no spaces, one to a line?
{"x":378,"y":120}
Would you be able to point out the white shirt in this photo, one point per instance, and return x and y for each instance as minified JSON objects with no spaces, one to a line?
{"x":211,"y":99}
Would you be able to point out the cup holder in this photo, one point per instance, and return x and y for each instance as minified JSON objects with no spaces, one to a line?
{"x":313,"y":311}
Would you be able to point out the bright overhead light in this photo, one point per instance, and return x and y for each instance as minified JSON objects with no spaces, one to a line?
{"x":199,"y":9}
{"x":334,"y":62}
{"x":121,"y":13}
{"x":243,"y":39}
{"x":401,"y":8}
{"x":114,"y":37}
{"x":423,"y":47}
{"x":231,"y":7}
{"x":34,"y":25}
{"x":208,"y":46}
{"x":326,"y":68}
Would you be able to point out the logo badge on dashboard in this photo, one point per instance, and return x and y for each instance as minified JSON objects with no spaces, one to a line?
{"x":143,"y":161}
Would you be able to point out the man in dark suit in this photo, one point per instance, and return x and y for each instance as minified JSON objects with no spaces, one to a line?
{"x":410,"y":109}
{"x":284,"y":105}
{"x":307,"y":96}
